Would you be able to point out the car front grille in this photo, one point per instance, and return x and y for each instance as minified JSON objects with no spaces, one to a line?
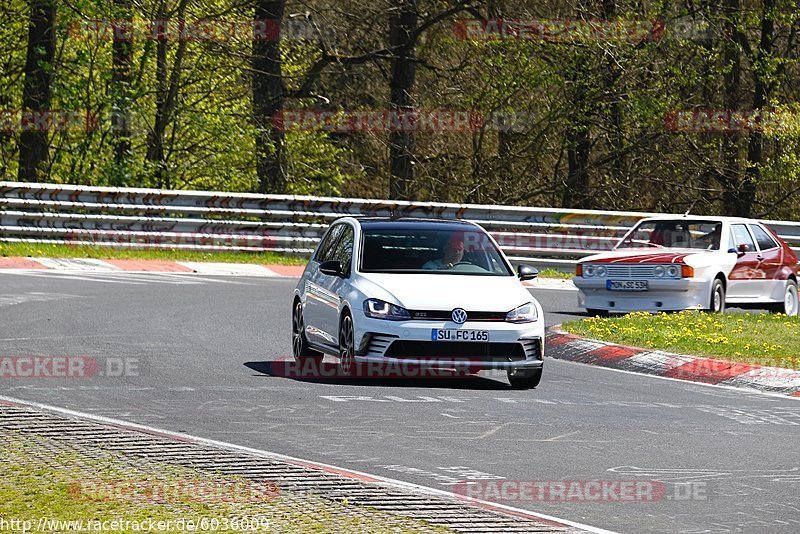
{"x":456,"y":350}
{"x":532,"y":348}
{"x":631,"y":271}
{"x":445,"y":315}
{"x":377,"y":344}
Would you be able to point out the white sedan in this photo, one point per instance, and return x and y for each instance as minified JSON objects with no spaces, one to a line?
{"x":415,"y":292}
{"x":684,"y":263}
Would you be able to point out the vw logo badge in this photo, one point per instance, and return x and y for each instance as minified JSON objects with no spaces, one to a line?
{"x":459,"y":316}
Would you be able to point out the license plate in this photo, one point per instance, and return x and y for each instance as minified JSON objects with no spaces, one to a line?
{"x":626,"y":285}
{"x":459,"y":335}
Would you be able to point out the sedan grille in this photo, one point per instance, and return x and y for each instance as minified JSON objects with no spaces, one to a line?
{"x":630,"y":271}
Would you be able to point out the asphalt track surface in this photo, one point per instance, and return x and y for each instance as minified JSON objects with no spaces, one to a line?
{"x":198,"y":351}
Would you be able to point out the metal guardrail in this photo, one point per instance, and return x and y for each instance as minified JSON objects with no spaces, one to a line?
{"x":200,"y":220}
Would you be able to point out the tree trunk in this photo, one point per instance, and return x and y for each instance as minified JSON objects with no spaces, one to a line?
{"x":121,"y":88}
{"x":401,"y":144}
{"x":730,"y":176}
{"x":755,"y":146}
{"x":166,"y":100}
{"x":578,"y":136}
{"x":268,"y":96}
{"x":576,"y":191}
{"x":36,"y":96}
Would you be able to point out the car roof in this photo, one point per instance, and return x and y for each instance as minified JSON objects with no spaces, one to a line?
{"x":415,"y":223}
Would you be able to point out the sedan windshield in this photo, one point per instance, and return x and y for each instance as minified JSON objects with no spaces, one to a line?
{"x":431,"y":251}
{"x":678,"y":233}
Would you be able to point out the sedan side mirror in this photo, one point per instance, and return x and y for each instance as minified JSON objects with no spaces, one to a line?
{"x":527,"y":272}
{"x":740,"y":250}
{"x":332,"y":268}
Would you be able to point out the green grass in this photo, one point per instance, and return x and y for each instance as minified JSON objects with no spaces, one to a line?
{"x":39,"y":481}
{"x":555,"y":273}
{"x":39,"y":250}
{"x":765,"y":339}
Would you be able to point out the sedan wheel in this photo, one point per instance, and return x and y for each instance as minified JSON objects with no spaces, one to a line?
{"x":790,"y":304}
{"x":717,"y":304}
{"x":300,"y":348}
{"x":524,"y":378}
{"x":347,"y":363}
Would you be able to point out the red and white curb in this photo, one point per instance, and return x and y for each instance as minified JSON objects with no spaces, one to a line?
{"x":779,"y":380}
{"x":88,"y":265}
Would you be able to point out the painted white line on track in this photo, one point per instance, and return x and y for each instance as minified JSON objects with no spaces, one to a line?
{"x":77,"y":264}
{"x":290,"y":459}
{"x":551,"y":283}
{"x":240,"y":269}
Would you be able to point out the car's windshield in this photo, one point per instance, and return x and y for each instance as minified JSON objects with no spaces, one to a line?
{"x":431,"y":251}
{"x":674,"y":233}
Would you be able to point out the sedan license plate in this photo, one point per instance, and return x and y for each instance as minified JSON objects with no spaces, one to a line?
{"x":459,"y":335}
{"x":626,"y":285}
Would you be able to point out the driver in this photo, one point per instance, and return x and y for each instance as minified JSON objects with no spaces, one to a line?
{"x":452,"y":252}
{"x":711,"y":239}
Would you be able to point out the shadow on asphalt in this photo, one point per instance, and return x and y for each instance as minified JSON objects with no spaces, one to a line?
{"x":328,"y":373}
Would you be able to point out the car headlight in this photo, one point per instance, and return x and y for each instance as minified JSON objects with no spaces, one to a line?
{"x":526,"y":313}
{"x":379,"y":309}
{"x":600,"y":271}
{"x":659,"y":271}
{"x":673,"y":271}
{"x":588,"y":270}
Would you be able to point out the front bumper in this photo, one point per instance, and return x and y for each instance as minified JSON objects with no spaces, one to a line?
{"x":408,"y":343}
{"x":662,"y":295}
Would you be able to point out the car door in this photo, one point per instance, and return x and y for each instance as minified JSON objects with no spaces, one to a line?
{"x":319,"y":298}
{"x":337,"y":287}
{"x":741,"y":281}
{"x":771,"y":261}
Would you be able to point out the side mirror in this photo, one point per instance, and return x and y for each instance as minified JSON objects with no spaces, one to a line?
{"x":332,"y":268}
{"x":527,"y":272}
{"x":740,"y":250}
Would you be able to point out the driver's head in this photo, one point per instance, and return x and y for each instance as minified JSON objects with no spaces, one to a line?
{"x":454,"y":248}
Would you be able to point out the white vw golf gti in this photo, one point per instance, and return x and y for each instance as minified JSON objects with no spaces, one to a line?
{"x":417,"y":292}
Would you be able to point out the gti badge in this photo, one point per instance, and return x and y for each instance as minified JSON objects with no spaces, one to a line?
{"x":459,"y":316}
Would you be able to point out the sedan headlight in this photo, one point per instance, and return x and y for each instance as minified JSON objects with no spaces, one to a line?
{"x":588,"y":271}
{"x":659,"y":271}
{"x":673,"y":271}
{"x":526,"y":313}
{"x":379,"y":309}
{"x":600,"y":271}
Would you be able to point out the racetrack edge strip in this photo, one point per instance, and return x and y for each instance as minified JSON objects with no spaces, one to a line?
{"x":350,"y":473}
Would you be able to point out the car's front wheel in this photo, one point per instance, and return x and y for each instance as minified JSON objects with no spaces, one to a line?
{"x":347,"y":361}
{"x":789,"y":306}
{"x":717,"y":302}
{"x":524,"y":378}
{"x":300,"y":348}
